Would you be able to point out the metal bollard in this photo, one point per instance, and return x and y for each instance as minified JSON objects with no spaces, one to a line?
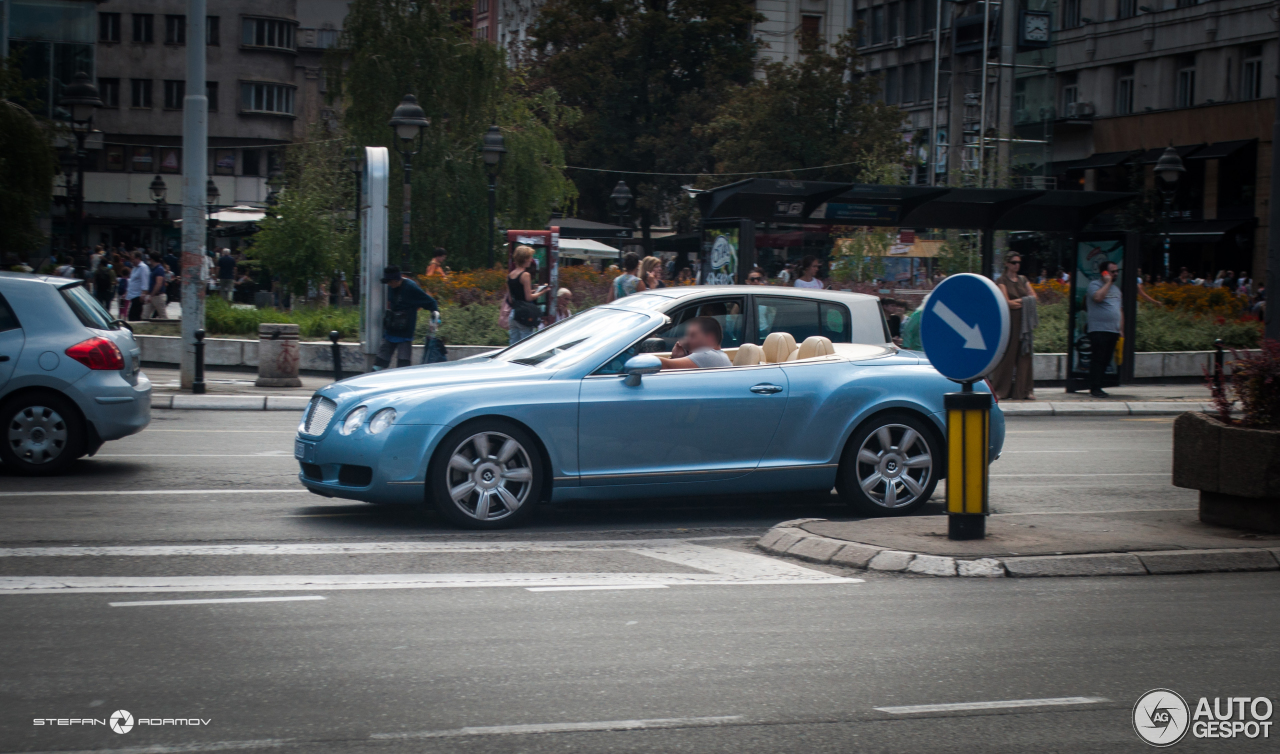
{"x":968,"y":448}
{"x":1217,"y":363}
{"x":197,"y":385}
{"x":337,"y":355}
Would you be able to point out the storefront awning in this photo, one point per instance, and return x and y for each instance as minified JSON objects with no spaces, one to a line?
{"x":573,"y":227}
{"x":1104,"y":160}
{"x":585,"y":248}
{"x":1222,"y":149}
{"x":1152,"y":156}
{"x":1207,"y":231}
{"x":768,"y":199}
{"x":1061,"y":210}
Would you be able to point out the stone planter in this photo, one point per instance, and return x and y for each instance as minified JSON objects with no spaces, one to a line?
{"x":1236,"y":470}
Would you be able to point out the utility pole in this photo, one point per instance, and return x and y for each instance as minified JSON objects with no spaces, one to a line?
{"x":1007,"y":77}
{"x":1272,"y":331}
{"x":195,"y":156}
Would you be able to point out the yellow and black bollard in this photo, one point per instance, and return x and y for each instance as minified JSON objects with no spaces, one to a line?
{"x":968,"y":448}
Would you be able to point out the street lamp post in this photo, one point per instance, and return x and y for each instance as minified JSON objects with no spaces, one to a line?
{"x":621,"y":201}
{"x":1169,"y":169}
{"x":81,"y":99}
{"x":158,"y":193}
{"x":408,"y":121}
{"x":275,"y":185}
{"x":492,"y":150}
{"x":211,"y":195}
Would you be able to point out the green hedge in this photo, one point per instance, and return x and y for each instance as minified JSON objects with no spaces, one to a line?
{"x":1159,"y":329}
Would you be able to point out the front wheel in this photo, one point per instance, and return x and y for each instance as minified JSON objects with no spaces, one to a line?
{"x":487,"y":475}
{"x":890,"y":466}
{"x":42,"y":434}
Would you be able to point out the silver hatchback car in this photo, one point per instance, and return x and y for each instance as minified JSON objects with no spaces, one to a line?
{"x":70,"y":375}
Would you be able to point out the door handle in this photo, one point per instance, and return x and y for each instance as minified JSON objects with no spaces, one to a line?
{"x":765,"y":388}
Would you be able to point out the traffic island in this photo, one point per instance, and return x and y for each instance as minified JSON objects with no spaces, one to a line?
{"x":1025,"y":546}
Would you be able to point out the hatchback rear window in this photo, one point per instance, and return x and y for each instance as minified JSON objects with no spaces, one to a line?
{"x":87,"y":308}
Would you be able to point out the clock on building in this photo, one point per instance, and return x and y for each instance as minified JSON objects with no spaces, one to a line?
{"x":1035,"y":29}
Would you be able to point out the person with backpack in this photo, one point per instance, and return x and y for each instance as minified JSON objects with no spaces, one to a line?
{"x":104,"y":284}
{"x":404,"y":299}
{"x":525,"y":314}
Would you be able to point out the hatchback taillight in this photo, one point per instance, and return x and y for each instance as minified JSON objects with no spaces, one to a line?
{"x":97,"y":353}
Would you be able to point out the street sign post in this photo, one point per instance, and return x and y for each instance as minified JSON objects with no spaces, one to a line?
{"x":964,"y":331}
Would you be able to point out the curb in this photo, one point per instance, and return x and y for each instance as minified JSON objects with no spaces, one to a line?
{"x":231,"y":402}
{"x":789,"y":540}
{"x":1103,"y":408}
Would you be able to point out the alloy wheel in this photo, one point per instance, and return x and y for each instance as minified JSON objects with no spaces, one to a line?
{"x":489,"y":476}
{"x":894,"y":466}
{"x":37,"y":434}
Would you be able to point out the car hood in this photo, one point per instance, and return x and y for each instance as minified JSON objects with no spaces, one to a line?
{"x":400,"y":383}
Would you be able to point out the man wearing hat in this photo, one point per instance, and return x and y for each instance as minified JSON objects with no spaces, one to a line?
{"x":404,"y":299}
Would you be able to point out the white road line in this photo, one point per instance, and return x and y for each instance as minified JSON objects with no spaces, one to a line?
{"x":218,"y":601}
{"x":1007,"y":452}
{"x":1090,"y":513}
{"x":509,"y":730}
{"x":1008,"y":704}
{"x":382,"y":548}
{"x":83,"y":493}
{"x":593,"y":588}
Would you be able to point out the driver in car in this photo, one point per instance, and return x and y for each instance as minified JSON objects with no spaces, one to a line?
{"x":700,"y":347}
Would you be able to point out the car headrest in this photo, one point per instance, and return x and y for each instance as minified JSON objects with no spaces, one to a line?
{"x":815,"y":346}
{"x":778,"y":346}
{"x":748,"y":355}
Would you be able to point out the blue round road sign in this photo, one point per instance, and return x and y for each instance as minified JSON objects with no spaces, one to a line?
{"x":965,"y":327}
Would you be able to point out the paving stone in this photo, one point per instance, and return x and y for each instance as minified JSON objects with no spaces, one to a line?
{"x":1090,"y":408}
{"x":1028,"y":408}
{"x":1161,"y":408}
{"x":770,"y":537}
{"x":891,"y":560}
{"x":988,"y":568}
{"x":1107,"y":564}
{"x":815,"y":549}
{"x":1197,"y":561}
{"x":796,"y":522}
{"x":932,"y":565}
{"x":855,"y":555}
{"x":783,"y":543}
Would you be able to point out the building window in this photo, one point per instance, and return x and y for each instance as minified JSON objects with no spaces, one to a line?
{"x":327,"y":38}
{"x":926,"y":81}
{"x":891,"y":91}
{"x":108,"y":27}
{"x":174,"y":91}
{"x":864,"y":33}
{"x":1124,"y":90}
{"x":482,"y":6}
{"x":909,"y":83}
{"x":1251,"y":73}
{"x":266,"y":32}
{"x":142,"y":159}
{"x":266,"y":98}
{"x":877,"y":25}
{"x":1070,"y":14}
{"x":142,"y":31}
{"x":212,"y":32}
{"x":140,"y":93}
{"x":930,"y":9}
{"x":1070,"y":95}
{"x":811,"y":27}
{"x":249,"y":164}
{"x":895,"y":20}
{"x":1186,"y":91}
{"x":109,"y":91}
{"x":211,"y":93}
{"x":1127,"y":9}
{"x":911,"y":18}
{"x":175,"y":30}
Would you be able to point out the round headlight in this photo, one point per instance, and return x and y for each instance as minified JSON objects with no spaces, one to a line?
{"x":354,"y":420}
{"x":382,"y":420}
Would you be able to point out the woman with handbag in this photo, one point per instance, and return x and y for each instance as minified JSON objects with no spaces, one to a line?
{"x":525,"y":313}
{"x":400,"y":320}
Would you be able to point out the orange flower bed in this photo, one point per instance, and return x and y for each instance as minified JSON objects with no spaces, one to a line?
{"x":1218,"y":302}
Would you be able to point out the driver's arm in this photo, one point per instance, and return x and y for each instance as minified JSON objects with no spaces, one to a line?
{"x":681,"y":363}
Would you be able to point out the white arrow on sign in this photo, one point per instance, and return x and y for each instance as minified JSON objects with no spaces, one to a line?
{"x":972,"y":335}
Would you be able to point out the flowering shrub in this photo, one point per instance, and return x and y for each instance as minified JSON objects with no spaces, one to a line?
{"x":1197,"y":299}
{"x":1051,"y":291}
{"x":1255,"y":382}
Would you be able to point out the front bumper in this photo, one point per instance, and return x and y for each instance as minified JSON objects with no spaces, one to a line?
{"x":398,"y":459}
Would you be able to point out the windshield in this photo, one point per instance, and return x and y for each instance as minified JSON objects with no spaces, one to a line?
{"x":646,"y":301}
{"x":87,"y":308}
{"x":572,"y":339}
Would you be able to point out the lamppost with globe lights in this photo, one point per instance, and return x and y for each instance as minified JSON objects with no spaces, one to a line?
{"x":158,"y":193}
{"x":275,"y":185}
{"x":408,"y":121}
{"x":211,"y":195}
{"x":80,"y":98}
{"x":492,"y":151}
{"x":1169,"y":169}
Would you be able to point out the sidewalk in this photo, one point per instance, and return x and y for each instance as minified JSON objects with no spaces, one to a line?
{"x":1118,"y":543}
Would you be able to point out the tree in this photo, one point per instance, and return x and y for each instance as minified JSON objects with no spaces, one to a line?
{"x":27,"y":165}
{"x":394,"y":47}
{"x":819,"y":110}
{"x":644,"y":74}
{"x":306,"y":236}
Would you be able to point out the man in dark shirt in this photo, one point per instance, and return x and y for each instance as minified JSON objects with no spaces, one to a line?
{"x":226,"y":274}
{"x":404,"y":299}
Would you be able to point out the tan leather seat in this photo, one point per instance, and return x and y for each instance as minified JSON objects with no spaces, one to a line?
{"x":778,"y":347}
{"x":748,"y":355}
{"x":815,"y":346}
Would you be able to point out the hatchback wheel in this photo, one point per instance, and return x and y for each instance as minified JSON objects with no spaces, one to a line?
{"x":890,"y":466}
{"x":487,"y":475}
{"x":42,"y":434}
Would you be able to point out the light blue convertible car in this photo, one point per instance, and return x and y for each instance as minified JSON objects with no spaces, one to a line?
{"x":817,"y":397}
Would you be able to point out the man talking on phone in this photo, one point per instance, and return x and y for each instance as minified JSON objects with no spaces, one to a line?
{"x":699,"y":348}
{"x":1106,"y":322}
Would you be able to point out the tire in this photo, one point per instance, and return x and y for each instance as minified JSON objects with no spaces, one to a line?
{"x":41,"y":434}
{"x":890,"y":465}
{"x":487,"y":474}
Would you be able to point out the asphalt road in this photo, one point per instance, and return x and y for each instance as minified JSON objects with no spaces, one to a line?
{"x":645,"y":627}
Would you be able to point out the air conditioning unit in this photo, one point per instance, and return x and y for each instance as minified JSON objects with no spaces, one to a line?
{"x":1080,"y":110}
{"x":899,"y":42}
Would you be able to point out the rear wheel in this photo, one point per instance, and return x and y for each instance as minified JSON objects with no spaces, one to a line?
{"x":890,"y":466}
{"x":42,"y":434}
{"x":487,"y":475}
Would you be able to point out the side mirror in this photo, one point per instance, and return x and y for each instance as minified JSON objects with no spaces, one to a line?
{"x":638,"y":366}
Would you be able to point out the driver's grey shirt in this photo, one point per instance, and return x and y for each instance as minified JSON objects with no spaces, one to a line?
{"x":706,"y":358}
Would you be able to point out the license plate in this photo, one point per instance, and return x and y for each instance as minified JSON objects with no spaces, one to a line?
{"x":304,"y":451}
